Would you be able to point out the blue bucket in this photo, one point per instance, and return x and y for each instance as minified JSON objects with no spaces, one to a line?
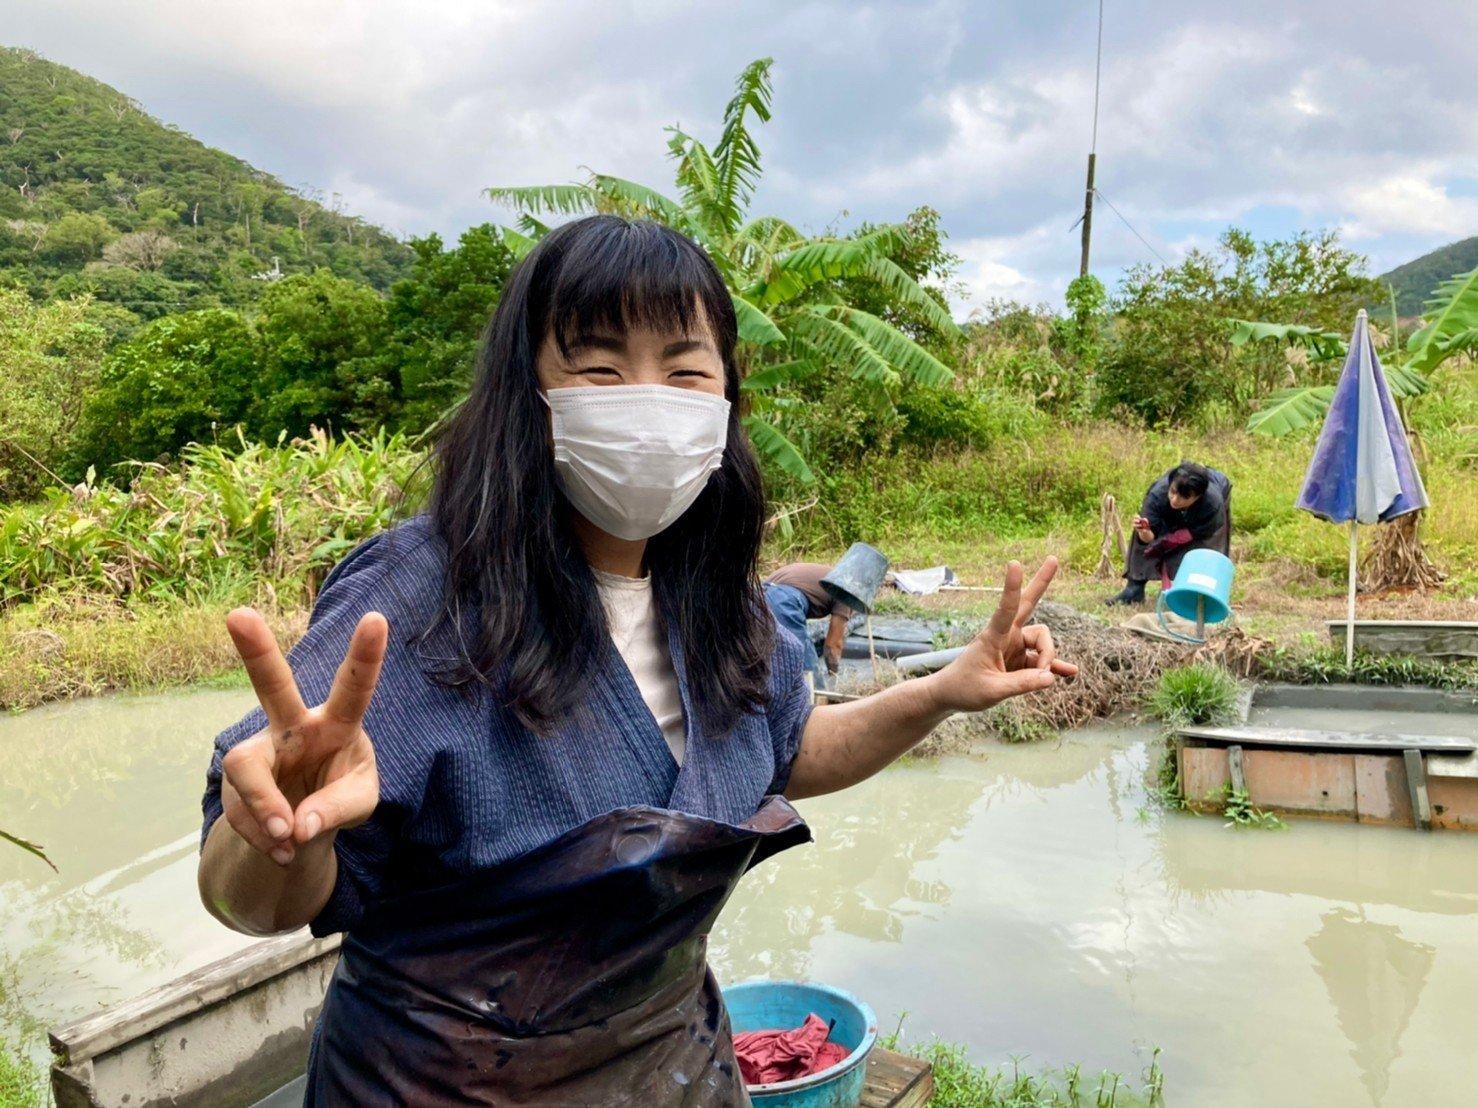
{"x":766,"y":1005}
{"x":1201,"y":591}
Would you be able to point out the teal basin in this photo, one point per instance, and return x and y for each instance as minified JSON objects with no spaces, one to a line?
{"x":762,"y":1005}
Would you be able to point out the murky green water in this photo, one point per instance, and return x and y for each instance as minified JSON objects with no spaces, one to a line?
{"x":1024,"y":902}
{"x":111,"y":789}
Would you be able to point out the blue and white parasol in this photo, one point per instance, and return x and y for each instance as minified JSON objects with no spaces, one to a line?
{"x":1362,"y":470}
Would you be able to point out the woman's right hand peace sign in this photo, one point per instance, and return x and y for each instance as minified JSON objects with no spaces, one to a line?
{"x":312,"y":771}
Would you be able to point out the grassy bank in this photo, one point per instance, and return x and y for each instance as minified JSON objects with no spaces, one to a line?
{"x":59,"y":651}
{"x":959,"y":1083}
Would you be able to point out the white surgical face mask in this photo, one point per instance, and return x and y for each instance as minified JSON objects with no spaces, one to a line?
{"x":632,"y":458}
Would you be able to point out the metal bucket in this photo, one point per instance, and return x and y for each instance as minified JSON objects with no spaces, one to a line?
{"x":855,"y":580}
{"x":761,"y":1005}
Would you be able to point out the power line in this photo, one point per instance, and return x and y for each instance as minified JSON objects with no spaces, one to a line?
{"x":1126,"y":223}
{"x":1097,"y":74}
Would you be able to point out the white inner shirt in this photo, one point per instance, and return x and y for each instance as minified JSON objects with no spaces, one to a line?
{"x":631,"y":615}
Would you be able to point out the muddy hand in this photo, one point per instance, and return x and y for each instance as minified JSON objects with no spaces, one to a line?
{"x":312,"y":771}
{"x":1011,"y":655}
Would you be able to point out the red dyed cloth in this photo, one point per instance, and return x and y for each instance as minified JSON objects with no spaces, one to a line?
{"x":1166,"y":545}
{"x":769,"y":1056}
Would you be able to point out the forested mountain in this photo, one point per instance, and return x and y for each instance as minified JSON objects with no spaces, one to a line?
{"x":98,"y":196}
{"x":1415,"y":281}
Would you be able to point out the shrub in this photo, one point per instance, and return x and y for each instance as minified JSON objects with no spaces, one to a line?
{"x":177,"y":381}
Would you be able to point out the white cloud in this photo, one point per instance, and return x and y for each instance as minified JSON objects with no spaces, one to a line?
{"x":1409,"y":204}
{"x":1210,"y":113}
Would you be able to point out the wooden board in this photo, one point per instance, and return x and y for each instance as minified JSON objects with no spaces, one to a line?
{"x":1250,"y":735}
{"x":897,"y":1081}
{"x":218,"y":982}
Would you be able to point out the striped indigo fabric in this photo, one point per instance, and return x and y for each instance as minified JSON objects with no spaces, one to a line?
{"x":463,"y":785}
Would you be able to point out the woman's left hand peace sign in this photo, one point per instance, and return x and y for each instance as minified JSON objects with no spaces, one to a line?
{"x":1010,"y":656}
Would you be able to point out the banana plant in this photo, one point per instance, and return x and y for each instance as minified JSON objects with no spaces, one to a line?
{"x":1451,"y":324}
{"x":1449,"y":328}
{"x":793,"y":315}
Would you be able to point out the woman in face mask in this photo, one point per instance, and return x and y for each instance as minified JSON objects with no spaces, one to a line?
{"x":532,"y":738}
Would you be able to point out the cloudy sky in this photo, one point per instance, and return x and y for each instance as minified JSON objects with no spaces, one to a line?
{"x":1274,"y":115}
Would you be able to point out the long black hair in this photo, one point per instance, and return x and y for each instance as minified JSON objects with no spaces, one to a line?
{"x":519,"y":591}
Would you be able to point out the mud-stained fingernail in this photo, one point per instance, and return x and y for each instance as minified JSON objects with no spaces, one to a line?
{"x":278,"y":827}
{"x":282,"y":855}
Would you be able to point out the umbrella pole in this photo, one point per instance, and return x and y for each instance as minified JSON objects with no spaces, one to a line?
{"x":1350,"y":608}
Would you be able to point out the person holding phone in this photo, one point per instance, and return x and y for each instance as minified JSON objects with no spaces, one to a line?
{"x":1188,"y":507}
{"x":533,"y":736}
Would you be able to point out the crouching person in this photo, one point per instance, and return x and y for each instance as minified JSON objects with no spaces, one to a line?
{"x":1188,"y":508}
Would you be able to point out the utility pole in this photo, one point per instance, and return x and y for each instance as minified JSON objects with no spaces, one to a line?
{"x":1092,"y":151}
{"x":1087,"y":215}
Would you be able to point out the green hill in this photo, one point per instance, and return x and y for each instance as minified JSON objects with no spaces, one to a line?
{"x":1415,"y":281}
{"x":96,"y":195}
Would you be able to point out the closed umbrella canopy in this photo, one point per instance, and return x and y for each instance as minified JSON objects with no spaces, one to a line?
{"x":1362,"y":470}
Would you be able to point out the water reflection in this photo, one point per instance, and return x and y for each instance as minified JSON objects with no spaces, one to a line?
{"x":1375,"y":980}
{"x":1029,"y":903}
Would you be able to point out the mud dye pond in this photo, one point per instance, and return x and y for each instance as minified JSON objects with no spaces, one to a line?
{"x":1028,"y":902}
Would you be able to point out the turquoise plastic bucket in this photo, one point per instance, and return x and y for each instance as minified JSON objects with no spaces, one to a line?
{"x":1202,"y":589}
{"x":763,"y":1005}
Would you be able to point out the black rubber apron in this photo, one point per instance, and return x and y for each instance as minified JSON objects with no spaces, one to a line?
{"x":573,"y":975}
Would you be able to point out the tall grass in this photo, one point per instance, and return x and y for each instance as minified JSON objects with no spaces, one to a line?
{"x":959,"y":1083}
{"x":253,"y":523}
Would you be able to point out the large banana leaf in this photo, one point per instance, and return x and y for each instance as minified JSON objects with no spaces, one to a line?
{"x":1290,"y":410}
{"x":518,"y":243}
{"x":698,"y":178}
{"x":825,"y":259}
{"x":754,"y":325}
{"x":534,"y":228}
{"x":640,"y":200}
{"x":1294,"y":409}
{"x":1405,"y":381}
{"x":1323,"y":345}
{"x":911,"y":359}
{"x":1452,"y":320}
{"x":838,"y":344}
{"x":769,"y":233}
{"x":772,"y":444}
{"x":762,"y":380}
{"x":558,"y":199}
{"x":905,"y":290}
{"x":737,"y":153}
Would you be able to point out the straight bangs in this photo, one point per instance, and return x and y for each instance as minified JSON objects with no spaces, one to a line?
{"x":627,"y":276}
